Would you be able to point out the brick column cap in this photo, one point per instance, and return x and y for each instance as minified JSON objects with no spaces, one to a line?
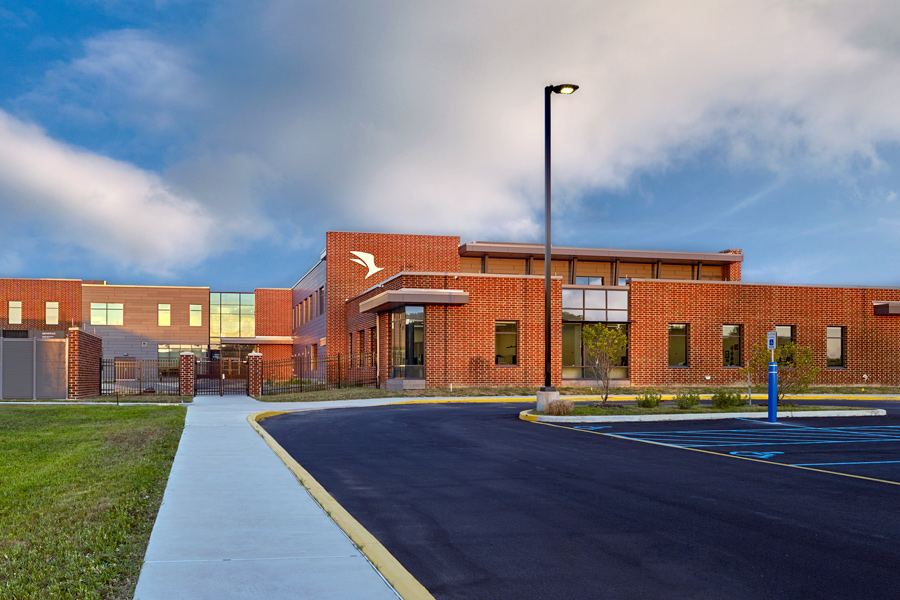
{"x":187,"y":354}
{"x":255,"y":354}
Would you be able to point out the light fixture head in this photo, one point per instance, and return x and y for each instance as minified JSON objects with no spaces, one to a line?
{"x":565,"y":88}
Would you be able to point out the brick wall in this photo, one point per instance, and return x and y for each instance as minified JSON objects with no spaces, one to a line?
{"x":33,"y":294}
{"x":273,"y":311}
{"x":394,"y":253}
{"x":459,"y":339}
{"x":275,"y":351}
{"x":732,"y":272}
{"x":85,"y":352}
{"x":872,"y":343}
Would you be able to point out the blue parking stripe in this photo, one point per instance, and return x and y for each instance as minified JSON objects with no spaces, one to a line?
{"x":874,"y":462}
{"x":796,"y":435}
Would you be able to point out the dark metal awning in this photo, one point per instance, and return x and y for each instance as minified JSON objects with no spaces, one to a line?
{"x":412,"y":297}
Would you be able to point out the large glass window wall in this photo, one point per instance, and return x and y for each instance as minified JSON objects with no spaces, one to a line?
{"x":231,"y":315}
{"x":581,"y":307}
{"x":408,"y":342}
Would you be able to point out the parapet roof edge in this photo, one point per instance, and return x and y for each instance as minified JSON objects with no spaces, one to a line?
{"x":538,"y":249}
{"x":804,"y":285}
{"x":133,"y":285}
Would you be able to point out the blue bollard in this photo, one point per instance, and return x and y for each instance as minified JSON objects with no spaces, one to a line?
{"x":773,"y":392}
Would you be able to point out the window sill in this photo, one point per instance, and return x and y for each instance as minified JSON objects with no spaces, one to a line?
{"x":679,"y":366}
{"x":836,"y":368}
{"x":507,"y":366}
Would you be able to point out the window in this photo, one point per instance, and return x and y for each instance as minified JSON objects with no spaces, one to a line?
{"x":231,"y":315}
{"x":164,"y":314}
{"x":595,"y":306}
{"x":506,"y":342}
{"x":196,"y":315}
{"x":588,"y":281}
{"x":15,"y":312}
{"x":107,"y":313}
{"x":573,"y":362}
{"x":321,"y":300}
{"x":678,"y":344}
{"x":834,"y":350}
{"x":623,"y":281}
{"x":784,"y":335}
{"x":731,"y":345}
{"x":51,"y":313}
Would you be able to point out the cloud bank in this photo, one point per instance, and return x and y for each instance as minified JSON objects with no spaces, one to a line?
{"x":111,"y":208}
{"x":292,"y":117}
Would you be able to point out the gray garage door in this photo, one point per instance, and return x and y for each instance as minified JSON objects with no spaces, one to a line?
{"x":32,"y":369}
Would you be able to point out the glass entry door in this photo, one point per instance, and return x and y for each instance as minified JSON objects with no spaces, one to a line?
{"x":408,"y":343}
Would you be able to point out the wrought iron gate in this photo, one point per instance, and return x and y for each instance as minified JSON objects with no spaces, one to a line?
{"x":221,"y":376}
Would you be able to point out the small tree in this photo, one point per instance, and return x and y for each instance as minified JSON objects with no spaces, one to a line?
{"x":604,"y":348}
{"x":796,"y":368}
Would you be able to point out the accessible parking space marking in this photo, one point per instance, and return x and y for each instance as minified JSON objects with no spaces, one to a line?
{"x":863,"y":452}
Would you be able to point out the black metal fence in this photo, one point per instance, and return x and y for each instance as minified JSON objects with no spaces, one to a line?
{"x":222,"y":377}
{"x":129,"y":375}
{"x":303,"y":374}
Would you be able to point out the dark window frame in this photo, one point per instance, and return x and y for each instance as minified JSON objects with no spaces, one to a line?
{"x":686,"y":342}
{"x":507,"y":334}
{"x":843,"y":338}
{"x":740,"y":343}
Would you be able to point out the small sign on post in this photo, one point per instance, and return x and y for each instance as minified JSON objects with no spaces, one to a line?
{"x":771,"y":342}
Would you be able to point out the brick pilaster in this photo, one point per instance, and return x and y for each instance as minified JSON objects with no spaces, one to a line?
{"x":254,"y":366}
{"x":186,"y":370}
{"x":85,"y":354}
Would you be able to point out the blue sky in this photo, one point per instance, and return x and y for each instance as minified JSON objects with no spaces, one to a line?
{"x":213,"y":143}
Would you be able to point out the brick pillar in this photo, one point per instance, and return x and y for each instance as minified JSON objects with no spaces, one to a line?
{"x":254,"y":367}
{"x":85,"y":352}
{"x":186,"y":370}
{"x":732,"y":272}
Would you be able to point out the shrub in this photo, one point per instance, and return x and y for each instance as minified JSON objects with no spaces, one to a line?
{"x":727,"y":399}
{"x":560,"y":407}
{"x":649,"y":400}
{"x":686,"y":400}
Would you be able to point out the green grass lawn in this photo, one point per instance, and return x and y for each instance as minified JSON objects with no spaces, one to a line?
{"x":79,"y":491}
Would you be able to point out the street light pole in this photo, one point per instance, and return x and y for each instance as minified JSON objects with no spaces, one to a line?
{"x":548,"y":388}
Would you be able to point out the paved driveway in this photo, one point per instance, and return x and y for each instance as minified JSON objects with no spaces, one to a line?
{"x":478,"y":504}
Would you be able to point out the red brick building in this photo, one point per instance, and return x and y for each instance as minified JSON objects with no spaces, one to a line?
{"x":430,"y":311}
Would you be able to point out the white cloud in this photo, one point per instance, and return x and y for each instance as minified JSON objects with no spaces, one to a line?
{"x":428,"y":116}
{"x":126,"y":76}
{"x":109,"y":207}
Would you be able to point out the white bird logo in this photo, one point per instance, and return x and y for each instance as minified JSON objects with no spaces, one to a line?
{"x":367,"y":260}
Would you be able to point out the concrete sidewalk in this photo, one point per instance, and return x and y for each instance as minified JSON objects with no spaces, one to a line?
{"x":235,"y":523}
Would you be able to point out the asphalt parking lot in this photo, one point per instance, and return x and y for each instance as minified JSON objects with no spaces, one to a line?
{"x":478,"y":504}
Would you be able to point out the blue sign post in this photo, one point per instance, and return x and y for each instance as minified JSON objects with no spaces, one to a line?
{"x":773,"y":392}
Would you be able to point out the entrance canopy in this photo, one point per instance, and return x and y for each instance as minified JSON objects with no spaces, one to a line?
{"x":392,"y":299}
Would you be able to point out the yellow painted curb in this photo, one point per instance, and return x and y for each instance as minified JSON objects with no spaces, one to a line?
{"x":526,"y":415}
{"x":390,"y":568}
{"x":462,"y":401}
